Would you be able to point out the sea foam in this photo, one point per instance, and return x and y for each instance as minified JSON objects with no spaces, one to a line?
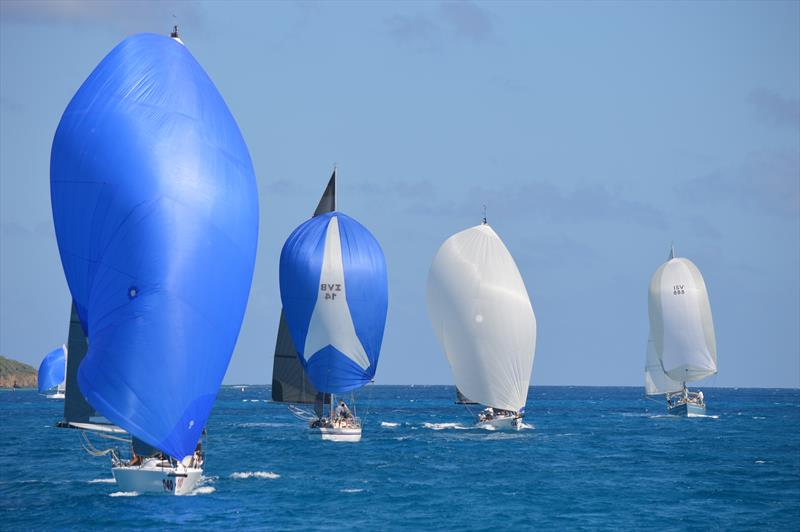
{"x":255,"y":474}
{"x":445,"y":426}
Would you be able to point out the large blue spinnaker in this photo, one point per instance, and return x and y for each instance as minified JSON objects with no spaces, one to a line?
{"x":335,"y":296}
{"x":156,"y":213}
{"x":52,"y":370}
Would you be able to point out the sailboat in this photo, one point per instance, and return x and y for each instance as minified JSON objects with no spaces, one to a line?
{"x":290,"y":383}
{"x":156,"y":215}
{"x":681,"y":346}
{"x":52,"y":372}
{"x":483,"y":318}
{"x":335,"y":296}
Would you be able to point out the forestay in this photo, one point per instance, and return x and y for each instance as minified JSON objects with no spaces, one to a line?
{"x":335,"y":295}
{"x":681,"y":326}
{"x":156,"y":214}
{"x":483,"y":318}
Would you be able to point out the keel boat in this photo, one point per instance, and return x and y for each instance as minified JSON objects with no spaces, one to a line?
{"x":156,"y":214}
{"x":484,"y":321}
{"x":334,"y":293}
{"x":682,"y":345}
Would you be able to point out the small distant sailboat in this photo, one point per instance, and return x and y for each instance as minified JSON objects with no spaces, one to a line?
{"x":53,"y":372}
{"x":335,"y":297}
{"x":290,"y":383}
{"x":483,"y":318}
{"x":681,"y":346}
{"x":156,"y":214}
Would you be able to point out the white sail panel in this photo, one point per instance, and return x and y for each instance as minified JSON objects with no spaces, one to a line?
{"x":680,"y":321}
{"x":656,"y":382}
{"x":331,"y":322}
{"x":483,"y":318}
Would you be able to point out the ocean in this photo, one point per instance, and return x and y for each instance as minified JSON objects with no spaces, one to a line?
{"x":591,"y":459}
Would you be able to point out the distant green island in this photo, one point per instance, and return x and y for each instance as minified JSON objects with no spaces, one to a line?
{"x":15,"y":374}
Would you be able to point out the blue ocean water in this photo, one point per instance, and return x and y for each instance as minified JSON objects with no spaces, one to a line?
{"x":595,"y":458}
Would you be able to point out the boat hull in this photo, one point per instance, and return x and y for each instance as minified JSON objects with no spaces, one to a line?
{"x":501,"y":423}
{"x":346,"y":435}
{"x":146,"y":479}
{"x":687,"y":410}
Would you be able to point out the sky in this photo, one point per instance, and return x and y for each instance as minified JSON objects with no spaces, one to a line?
{"x":595,"y":133}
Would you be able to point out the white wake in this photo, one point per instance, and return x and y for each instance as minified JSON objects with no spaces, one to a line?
{"x":268,"y":475}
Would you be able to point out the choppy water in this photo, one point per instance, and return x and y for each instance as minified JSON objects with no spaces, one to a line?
{"x":595,"y":458}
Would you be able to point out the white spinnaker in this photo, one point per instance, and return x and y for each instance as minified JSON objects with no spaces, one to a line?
{"x":656,"y":382}
{"x":680,"y":321}
{"x":481,"y":313}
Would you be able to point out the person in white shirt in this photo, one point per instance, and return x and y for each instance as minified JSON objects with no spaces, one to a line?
{"x":342,"y":411}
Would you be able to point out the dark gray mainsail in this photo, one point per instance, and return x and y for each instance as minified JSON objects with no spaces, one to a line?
{"x":327,"y":203}
{"x":290,"y":384}
{"x":78,"y":413}
{"x":76,"y":409}
{"x":462,"y":399}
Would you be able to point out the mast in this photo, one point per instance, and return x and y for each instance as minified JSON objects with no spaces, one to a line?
{"x":174,"y":34}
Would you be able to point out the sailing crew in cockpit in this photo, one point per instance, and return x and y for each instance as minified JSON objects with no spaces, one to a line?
{"x":342,"y":411}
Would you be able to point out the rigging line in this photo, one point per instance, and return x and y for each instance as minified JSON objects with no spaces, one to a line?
{"x":93,"y":451}
{"x":466,"y":405}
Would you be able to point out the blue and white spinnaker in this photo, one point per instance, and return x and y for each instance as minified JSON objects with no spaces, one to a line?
{"x":335,"y":295}
{"x":52,"y":370}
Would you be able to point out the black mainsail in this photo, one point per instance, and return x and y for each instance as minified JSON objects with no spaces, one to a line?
{"x":78,"y":413}
{"x":462,"y":399}
{"x":290,"y":384}
{"x":76,"y":409}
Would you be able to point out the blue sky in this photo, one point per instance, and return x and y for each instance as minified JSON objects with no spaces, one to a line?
{"x":595,"y":133}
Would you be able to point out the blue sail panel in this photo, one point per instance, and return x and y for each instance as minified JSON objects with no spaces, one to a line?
{"x":334,"y":292}
{"x":52,"y":370}
{"x":156,"y":212}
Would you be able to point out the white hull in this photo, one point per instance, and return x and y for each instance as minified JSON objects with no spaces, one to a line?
{"x":149,"y":477}
{"x":339,"y":435}
{"x":501,"y":423}
{"x":58,"y":395}
{"x":340,"y":432}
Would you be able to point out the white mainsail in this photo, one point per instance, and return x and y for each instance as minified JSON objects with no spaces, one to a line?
{"x":656,"y":382}
{"x":482,"y":315}
{"x":681,"y":327}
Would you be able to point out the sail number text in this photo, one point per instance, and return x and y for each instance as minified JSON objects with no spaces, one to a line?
{"x":331,"y":290}
{"x":678,"y":289}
